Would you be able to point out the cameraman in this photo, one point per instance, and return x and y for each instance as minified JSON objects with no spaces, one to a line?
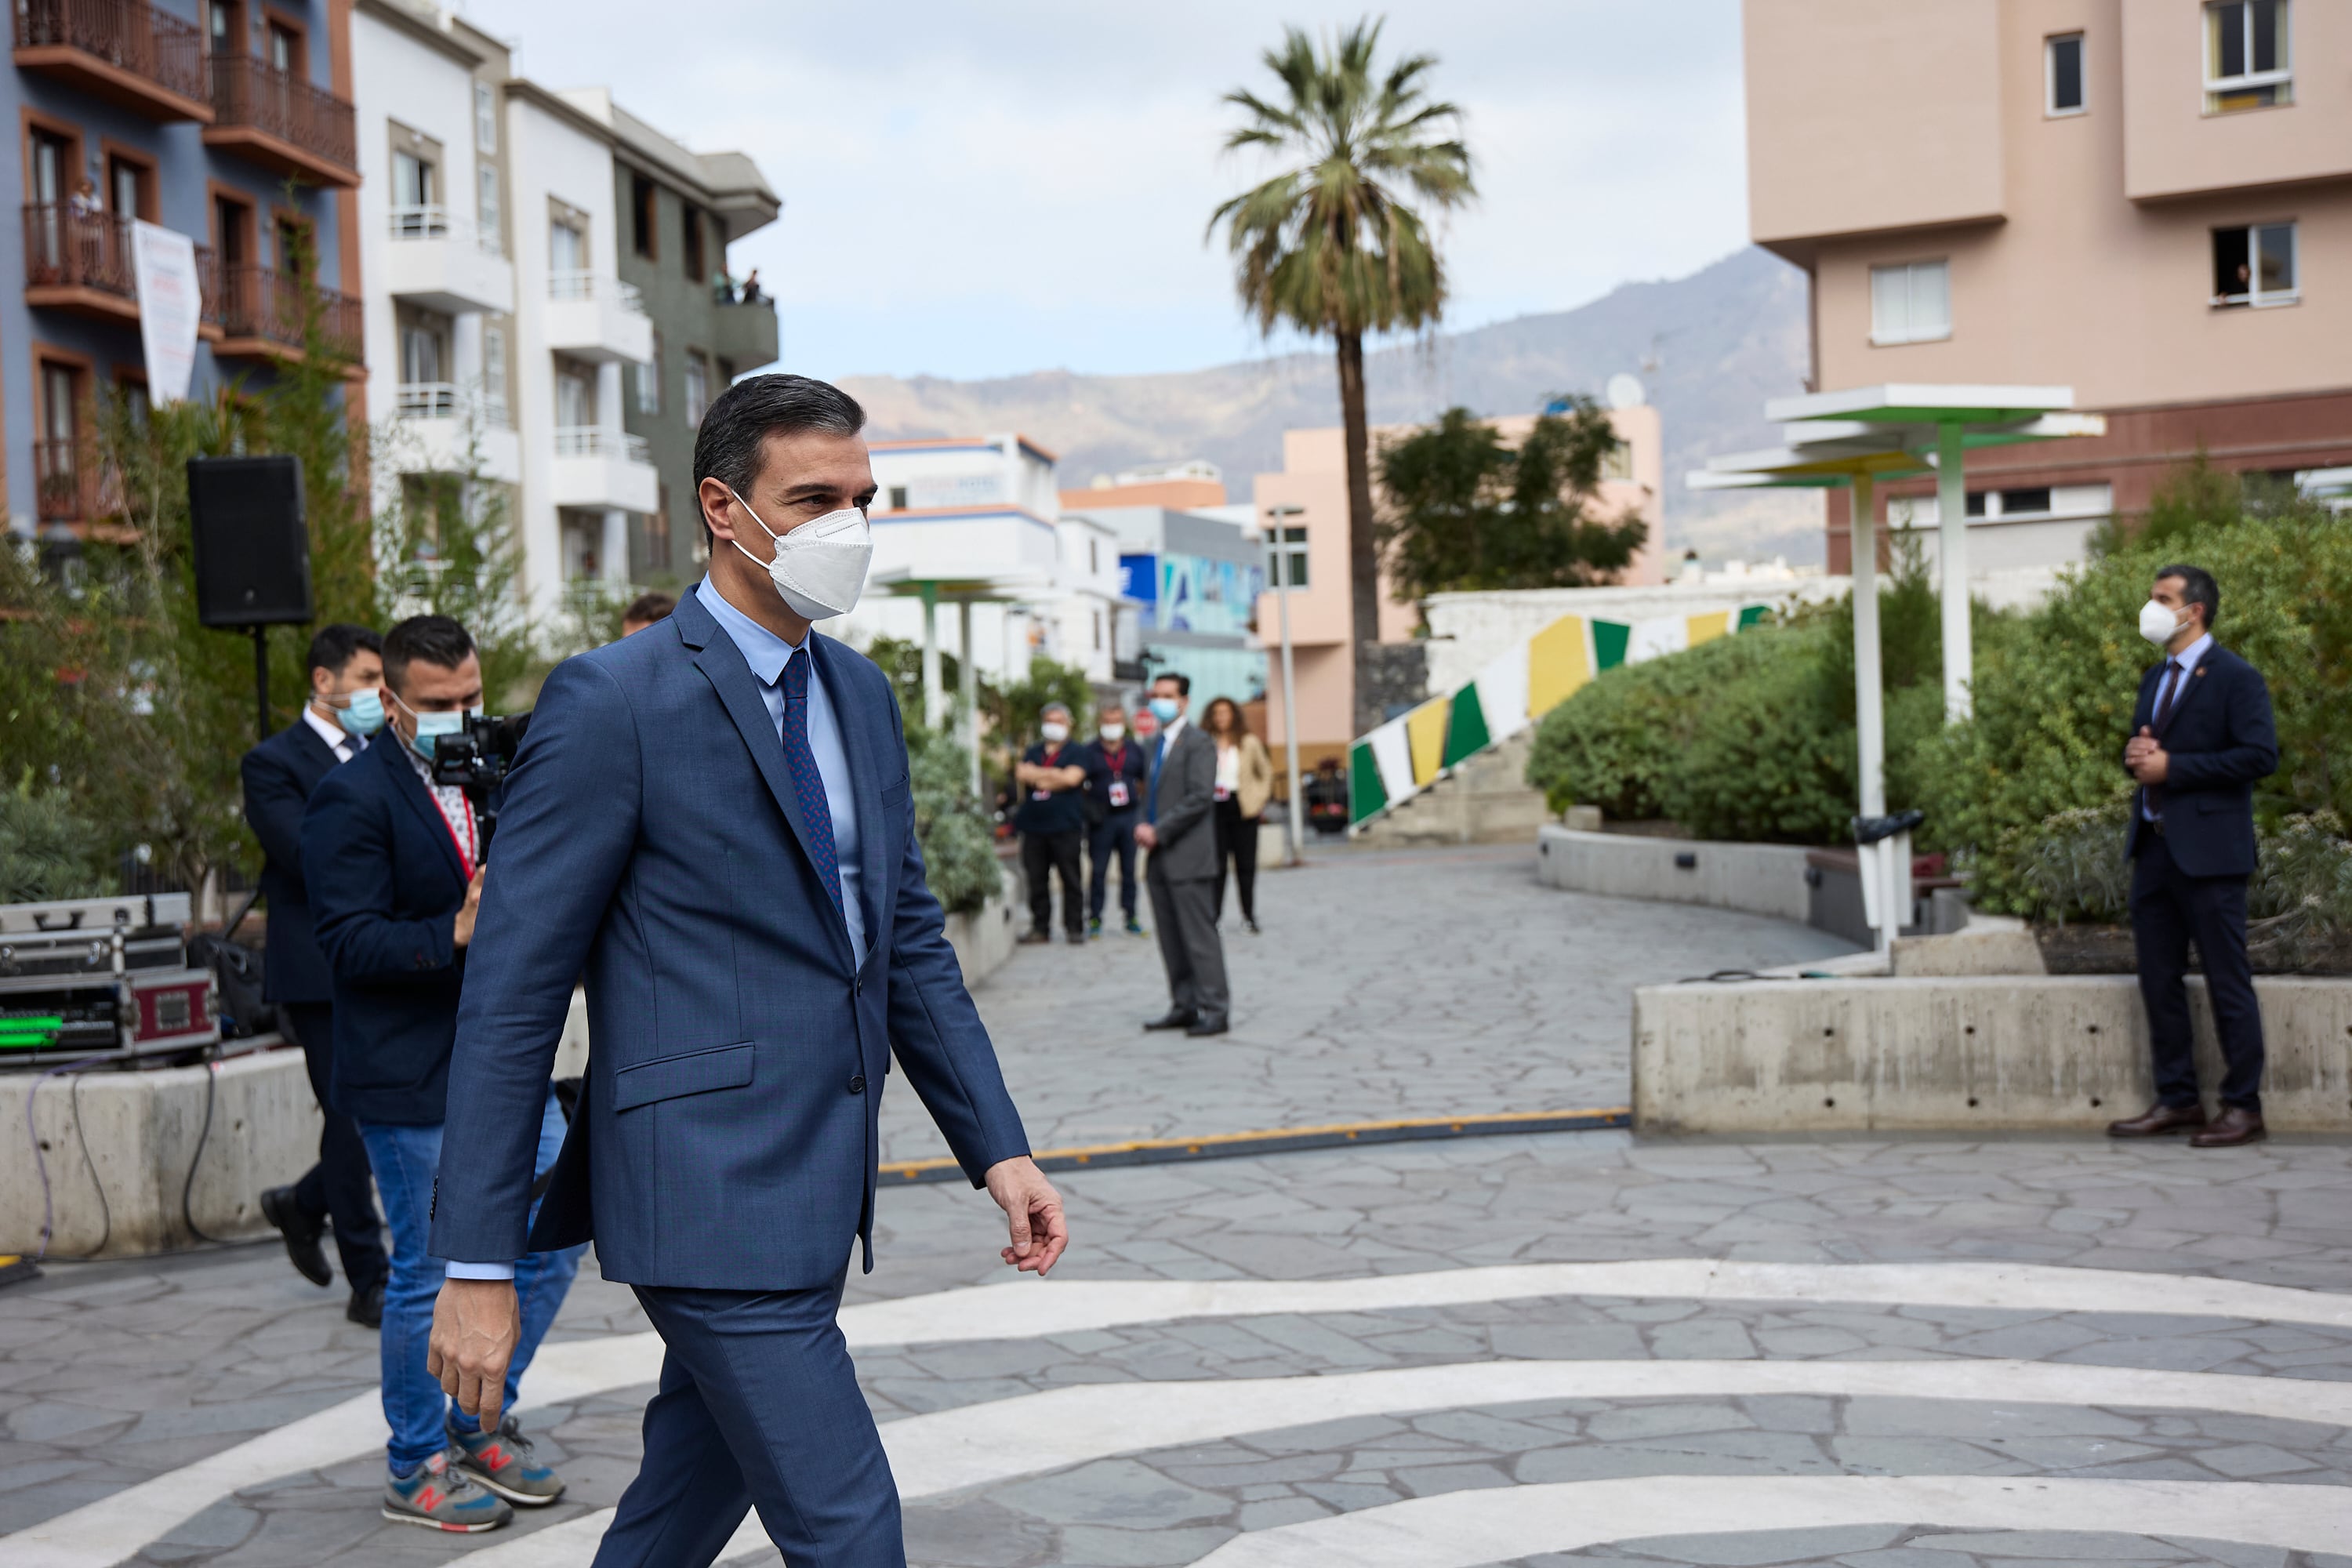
{"x":393,"y":862}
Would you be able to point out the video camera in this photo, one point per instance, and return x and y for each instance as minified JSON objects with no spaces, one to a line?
{"x":476,"y":760}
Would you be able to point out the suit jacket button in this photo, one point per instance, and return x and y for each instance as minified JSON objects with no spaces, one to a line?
{"x":857,"y":1084}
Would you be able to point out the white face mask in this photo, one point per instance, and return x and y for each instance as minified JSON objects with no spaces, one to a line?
{"x":2157,"y":623}
{"x":819,"y":567}
{"x":1055,"y":733}
{"x":1112,"y":732}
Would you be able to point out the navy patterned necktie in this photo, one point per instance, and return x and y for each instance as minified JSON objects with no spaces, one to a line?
{"x":808,"y":784}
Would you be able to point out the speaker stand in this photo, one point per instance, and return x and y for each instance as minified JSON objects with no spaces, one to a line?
{"x":262,"y":677}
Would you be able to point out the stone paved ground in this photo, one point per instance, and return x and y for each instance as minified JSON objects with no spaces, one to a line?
{"x":111,"y":1373}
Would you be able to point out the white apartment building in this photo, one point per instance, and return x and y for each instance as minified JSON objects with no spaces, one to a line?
{"x":496,"y":340}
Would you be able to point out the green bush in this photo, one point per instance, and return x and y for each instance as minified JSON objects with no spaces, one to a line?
{"x":958,"y":840}
{"x":48,"y":850}
{"x":1617,"y":743}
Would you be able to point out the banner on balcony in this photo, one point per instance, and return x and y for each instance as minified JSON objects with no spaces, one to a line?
{"x":171,"y":303}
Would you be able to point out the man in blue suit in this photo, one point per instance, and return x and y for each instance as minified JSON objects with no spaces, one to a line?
{"x":394,"y":862}
{"x":712,"y":819}
{"x":2201,"y":735}
{"x":346,"y":667}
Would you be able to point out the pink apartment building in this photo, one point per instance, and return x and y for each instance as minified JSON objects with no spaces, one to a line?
{"x":2147,"y":200}
{"x":1314,"y":477}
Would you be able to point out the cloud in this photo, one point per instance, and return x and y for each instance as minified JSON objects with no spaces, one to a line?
{"x":987,"y":191}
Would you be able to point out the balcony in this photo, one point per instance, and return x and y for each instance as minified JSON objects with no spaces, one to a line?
{"x":257,"y":310}
{"x":598,"y":318}
{"x":444,"y":428}
{"x":70,"y":485}
{"x":440,"y":260}
{"x":605,"y":470}
{"x":282,"y":122}
{"x":745,"y":335}
{"x":82,"y":262}
{"x":124,"y":51}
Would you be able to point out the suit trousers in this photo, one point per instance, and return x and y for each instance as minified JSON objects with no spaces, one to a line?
{"x":759,"y":1407}
{"x":1184,"y":913}
{"x":1044,"y":855}
{"x":2169,"y":908}
{"x":1114,"y":836}
{"x":340,"y":1187}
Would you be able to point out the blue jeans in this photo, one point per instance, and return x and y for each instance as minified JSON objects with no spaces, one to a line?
{"x":405,"y":1159}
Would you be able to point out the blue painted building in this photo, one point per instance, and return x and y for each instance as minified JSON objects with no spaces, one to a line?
{"x":229,"y":120}
{"x":1198,"y":580}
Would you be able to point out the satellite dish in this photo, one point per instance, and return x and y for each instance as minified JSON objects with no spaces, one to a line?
{"x":1626,"y":391}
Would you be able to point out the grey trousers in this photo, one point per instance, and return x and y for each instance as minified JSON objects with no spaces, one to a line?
{"x":1185,"y":914}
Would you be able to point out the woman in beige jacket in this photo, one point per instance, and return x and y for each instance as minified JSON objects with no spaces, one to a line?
{"x":1244,"y":784}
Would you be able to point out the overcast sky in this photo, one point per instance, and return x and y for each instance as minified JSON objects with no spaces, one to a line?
{"x":984,"y":190}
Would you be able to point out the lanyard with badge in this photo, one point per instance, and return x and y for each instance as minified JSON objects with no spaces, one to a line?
{"x":1045,"y":761}
{"x":1120,"y":797}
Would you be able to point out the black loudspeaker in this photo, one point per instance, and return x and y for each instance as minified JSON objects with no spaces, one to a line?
{"x":252,"y":543}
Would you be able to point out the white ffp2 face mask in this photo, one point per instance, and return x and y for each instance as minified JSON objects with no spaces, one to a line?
{"x":2157,"y":623}
{"x":819,"y":568}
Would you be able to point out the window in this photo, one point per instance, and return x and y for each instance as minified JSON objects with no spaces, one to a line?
{"x":693,"y":248}
{"x":645,"y":210}
{"x":232,"y":231}
{"x":420,"y":356}
{"x":412,"y":191}
{"x":649,"y":381}
{"x":1617,"y":463}
{"x":494,"y":376}
{"x":2246,"y":50}
{"x":2063,"y":57}
{"x":1910,"y":302}
{"x":567,"y":255}
{"x":485,"y":120}
{"x":127,"y":186}
{"x":897,"y":497}
{"x":657,"y":557}
{"x":223,"y":18}
{"x":56,"y":161}
{"x":489,"y":221}
{"x":297,"y":252}
{"x":286,"y":50}
{"x":1285,"y":557}
{"x":2254,"y":264}
{"x":575,"y":396}
{"x":697,"y":385}
{"x":1098,"y":631}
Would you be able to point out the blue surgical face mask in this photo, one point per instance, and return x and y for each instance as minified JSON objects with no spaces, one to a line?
{"x":363,"y":715}
{"x":430,"y":727}
{"x":1164,"y":709}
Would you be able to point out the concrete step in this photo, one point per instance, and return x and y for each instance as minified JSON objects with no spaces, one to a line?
{"x":1485,"y":800}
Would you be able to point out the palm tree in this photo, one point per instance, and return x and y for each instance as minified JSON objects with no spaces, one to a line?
{"x":1332,"y":246}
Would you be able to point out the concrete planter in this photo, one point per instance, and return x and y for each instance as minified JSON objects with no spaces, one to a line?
{"x":1760,"y":879}
{"x":2007,"y":1053}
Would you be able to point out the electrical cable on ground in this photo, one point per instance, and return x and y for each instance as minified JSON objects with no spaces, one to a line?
{"x":188,"y":1188}
{"x":41,"y":1164}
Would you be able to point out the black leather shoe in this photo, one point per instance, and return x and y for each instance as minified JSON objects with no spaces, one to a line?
{"x":301,"y":1233}
{"x":1206,"y":1026}
{"x":1176,"y":1018}
{"x":2236,"y":1126}
{"x":366,"y":1306}
{"x":1032,"y":937}
{"x":2156,"y":1120}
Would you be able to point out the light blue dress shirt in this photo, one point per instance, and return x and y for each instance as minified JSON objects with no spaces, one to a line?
{"x":2186,"y":659}
{"x":767,"y":653}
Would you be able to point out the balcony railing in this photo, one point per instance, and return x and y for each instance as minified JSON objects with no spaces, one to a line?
{"x":448,"y":400}
{"x":250,"y":91}
{"x":69,"y":485}
{"x":262,"y":304}
{"x":132,"y":36}
{"x":586,"y":284}
{"x":64,"y":248}
{"x":433,"y":221}
{"x":595,"y":441}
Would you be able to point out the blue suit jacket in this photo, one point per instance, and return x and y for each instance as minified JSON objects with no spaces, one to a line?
{"x":385,"y":886}
{"x":2219,"y":738}
{"x":651,"y":837}
{"x":279,"y":775}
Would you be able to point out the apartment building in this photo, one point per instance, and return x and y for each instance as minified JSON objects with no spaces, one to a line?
{"x":679,"y":212}
{"x":2149,"y":201}
{"x":1195,"y":578}
{"x":227,"y":121}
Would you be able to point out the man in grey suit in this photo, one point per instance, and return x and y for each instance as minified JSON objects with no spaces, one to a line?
{"x":1179,"y":829}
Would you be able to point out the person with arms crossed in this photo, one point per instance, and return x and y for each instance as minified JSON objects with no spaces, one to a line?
{"x":1116,"y":776}
{"x":1052,"y":823}
{"x":2201,"y":735}
{"x":1180,"y":830}
{"x":713,"y":819}
{"x":346,"y":668}
{"x":395,"y":868}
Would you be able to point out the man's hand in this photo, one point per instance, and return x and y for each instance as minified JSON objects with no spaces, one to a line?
{"x":1033,"y":1214}
{"x":1147,"y":836}
{"x":475,"y":1323}
{"x":468,"y":909}
{"x":2145,"y":757}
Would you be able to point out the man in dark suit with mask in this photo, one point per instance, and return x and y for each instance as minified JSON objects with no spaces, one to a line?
{"x":1179,"y":829}
{"x":346,"y":708}
{"x":2201,"y":735}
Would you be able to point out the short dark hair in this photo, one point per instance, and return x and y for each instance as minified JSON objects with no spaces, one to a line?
{"x":2196,"y":588}
{"x":331,"y":647}
{"x":649,"y":608}
{"x":738,"y":424}
{"x":434,"y":639}
{"x":1184,"y":682}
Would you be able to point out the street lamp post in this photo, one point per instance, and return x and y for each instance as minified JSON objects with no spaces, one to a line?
{"x":1278,"y":559}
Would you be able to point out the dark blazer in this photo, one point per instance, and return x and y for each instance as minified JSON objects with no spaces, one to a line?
{"x":1135,"y":767}
{"x":385,"y":885}
{"x":651,"y":835}
{"x":279,"y":775}
{"x":1183,"y":817}
{"x":2220,"y":738}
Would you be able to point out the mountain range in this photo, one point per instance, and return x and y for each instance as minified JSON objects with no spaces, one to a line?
{"x":1708,"y":348}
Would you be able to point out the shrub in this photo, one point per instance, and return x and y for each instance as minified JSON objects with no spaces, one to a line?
{"x":958,"y":839}
{"x":1616,"y":743}
{"x":48,"y":850}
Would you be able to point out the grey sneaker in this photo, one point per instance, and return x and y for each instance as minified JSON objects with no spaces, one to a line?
{"x":501,"y":1460}
{"x":439,"y":1496}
